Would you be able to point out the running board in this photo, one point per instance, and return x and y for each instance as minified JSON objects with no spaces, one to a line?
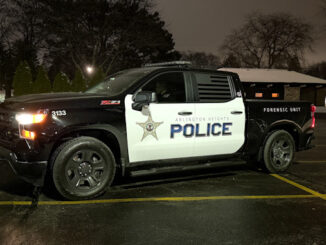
{"x":173,"y":169}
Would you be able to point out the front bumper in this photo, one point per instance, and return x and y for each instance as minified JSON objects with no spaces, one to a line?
{"x":31,"y":172}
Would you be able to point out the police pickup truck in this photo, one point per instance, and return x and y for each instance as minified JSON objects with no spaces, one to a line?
{"x":151,"y":118}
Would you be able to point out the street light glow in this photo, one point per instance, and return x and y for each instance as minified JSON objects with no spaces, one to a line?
{"x":89,"y":69}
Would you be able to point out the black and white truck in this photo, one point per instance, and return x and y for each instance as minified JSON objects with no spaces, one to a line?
{"x":147,"y":119}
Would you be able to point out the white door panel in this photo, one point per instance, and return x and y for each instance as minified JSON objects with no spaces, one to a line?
{"x":220,"y":132}
{"x":149,"y":136}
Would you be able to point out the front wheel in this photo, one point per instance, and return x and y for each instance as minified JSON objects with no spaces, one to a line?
{"x":279,"y":151}
{"x":82,"y":168}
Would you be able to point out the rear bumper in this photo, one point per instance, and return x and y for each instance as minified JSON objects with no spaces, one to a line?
{"x":31,"y":172}
{"x":306,"y":142}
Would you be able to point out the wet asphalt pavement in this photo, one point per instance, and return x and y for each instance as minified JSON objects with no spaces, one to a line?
{"x":224,"y":205}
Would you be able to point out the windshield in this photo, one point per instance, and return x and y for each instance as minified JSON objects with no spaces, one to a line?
{"x":119,"y":82}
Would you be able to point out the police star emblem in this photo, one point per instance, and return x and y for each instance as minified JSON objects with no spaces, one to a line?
{"x":149,"y":127}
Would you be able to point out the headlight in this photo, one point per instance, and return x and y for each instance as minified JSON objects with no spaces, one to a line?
{"x":26,"y":118}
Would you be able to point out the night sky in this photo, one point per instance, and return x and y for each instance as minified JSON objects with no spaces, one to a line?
{"x":201,"y":25}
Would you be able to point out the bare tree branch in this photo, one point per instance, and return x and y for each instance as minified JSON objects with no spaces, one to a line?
{"x":269,"y":40}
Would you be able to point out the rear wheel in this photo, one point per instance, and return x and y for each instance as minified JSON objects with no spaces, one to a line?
{"x":82,"y":168}
{"x":279,"y":151}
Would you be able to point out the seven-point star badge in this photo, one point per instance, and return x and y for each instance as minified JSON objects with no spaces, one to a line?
{"x":149,"y":127}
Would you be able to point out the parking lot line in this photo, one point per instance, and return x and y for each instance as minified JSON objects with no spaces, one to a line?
{"x":306,"y":189}
{"x":14,"y":203}
{"x":155,"y":199}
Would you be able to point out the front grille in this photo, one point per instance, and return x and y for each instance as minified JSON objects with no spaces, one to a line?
{"x":8,"y":133}
{"x":6,"y":117}
{"x":8,"y":126}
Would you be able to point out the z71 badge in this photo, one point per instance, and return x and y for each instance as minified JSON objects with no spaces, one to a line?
{"x":110,"y":102}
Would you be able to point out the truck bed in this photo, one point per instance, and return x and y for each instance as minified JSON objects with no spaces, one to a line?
{"x":266,"y":115}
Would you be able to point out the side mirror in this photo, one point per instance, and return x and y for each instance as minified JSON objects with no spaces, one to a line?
{"x":143,"y":98}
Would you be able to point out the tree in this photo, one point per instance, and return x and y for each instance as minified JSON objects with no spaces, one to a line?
{"x":294,"y":64}
{"x":105,"y":33}
{"x":6,"y":70}
{"x":65,"y":35}
{"x":97,"y":77}
{"x":202,"y":59}
{"x":22,"y":82}
{"x":42,"y":83}
{"x":61,"y":83}
{"x":323,"y":10}
{"x":231,"y":61}
{"x":27,"y":31}
{"x":317,"y":70}
{"x":323,"y":6}
{"x":78,"y":84}
{"x":20,"y":37}
{"x":269,"y":41}
{"x":5,"y":27}
{"x":7,"y":64}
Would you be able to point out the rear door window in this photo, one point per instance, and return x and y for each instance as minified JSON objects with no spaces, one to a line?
{"x":213,"y":88}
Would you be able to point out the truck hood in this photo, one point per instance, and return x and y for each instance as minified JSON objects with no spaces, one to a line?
{"x":56,"y":101}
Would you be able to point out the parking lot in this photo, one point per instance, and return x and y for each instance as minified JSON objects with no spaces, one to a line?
{"x":224,"y":205}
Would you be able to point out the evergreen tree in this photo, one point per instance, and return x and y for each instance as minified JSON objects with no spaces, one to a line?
{"x":22,"y":83}
{"x":61,"y":83}
{"x":78,"y":83}
{"x":97,"y":78}
{"x":42,"y":83}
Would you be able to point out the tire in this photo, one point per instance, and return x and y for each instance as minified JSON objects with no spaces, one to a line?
{"x":82,"y":168}
{"x":278,"y":151}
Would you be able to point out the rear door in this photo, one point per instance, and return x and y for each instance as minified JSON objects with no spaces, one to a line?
{"x":155,"y":133}
{"x":220,"y":115}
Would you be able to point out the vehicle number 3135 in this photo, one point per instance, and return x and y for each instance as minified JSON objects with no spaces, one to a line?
{"x":59,"y":113}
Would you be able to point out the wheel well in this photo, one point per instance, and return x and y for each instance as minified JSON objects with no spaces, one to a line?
{"x":291,"y":130}
{"x":106,"y":137}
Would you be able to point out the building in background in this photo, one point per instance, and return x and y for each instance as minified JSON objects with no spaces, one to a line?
{"x":281,"y":85}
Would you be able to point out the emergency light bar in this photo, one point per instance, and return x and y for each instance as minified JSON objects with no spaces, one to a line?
{"x":170,"y":63}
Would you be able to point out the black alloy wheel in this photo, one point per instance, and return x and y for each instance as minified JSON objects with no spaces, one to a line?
{"x":83,"y":168}
{"x":279,"y":151}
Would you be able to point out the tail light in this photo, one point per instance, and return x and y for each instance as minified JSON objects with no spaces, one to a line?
{"x":313,"y":110}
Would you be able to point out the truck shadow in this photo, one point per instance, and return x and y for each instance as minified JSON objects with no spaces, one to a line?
{"x":12,"y":186}
{"x":179,"y":176}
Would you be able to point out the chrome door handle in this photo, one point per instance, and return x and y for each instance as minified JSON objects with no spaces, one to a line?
{"x":185,"y":113}
{"x":236,"y":112}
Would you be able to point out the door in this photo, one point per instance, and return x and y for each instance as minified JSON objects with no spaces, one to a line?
{"x":155,"y":133}
{"x":220,"y":113}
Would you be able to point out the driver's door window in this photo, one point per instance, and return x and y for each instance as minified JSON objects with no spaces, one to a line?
{"x":169,"y":87}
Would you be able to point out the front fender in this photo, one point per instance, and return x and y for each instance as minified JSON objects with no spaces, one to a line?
{"x":118,"y":133}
